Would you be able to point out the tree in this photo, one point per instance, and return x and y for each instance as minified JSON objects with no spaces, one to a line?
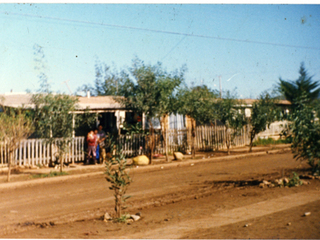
{"x":292,"y":90}
{"x":168,"y":84}
{"x":53,"y":113}
{"x":231,"y":115}
{"x":54,"y":119}
{"x":264,"y":112}
{"x":199,"y":104}
{"x":119,"y":178}
{"x":150,"y":90}
{"x":107,"y":82}
{"x":306,"y":134}
{"x":14,"y":127}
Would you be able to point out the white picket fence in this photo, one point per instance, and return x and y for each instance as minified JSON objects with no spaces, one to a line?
{"x":208,"y":138}
{"x":32,"y":152}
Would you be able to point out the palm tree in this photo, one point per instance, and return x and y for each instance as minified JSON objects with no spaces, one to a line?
{"x":292,"y":90}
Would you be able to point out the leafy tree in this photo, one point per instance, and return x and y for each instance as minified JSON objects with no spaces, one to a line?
{"x":199,"y":104}
{"x":54,"y":119}
{"x":107,"y":82}
{"x":53,"y":112}
{"x":292,"y":90}
{"x":168,"y":84}
{"x":232,"y":116}
{"x":306,"y":134}
{"x":14,"y":127}
{"x":150,"y":91}
{"x":264,"y":112}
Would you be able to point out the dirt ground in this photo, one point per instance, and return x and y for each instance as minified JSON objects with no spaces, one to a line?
{"x":214,"y":199}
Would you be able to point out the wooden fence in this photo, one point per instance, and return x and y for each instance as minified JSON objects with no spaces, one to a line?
{"x":213,"y":138}
{"x":32,"y":152}
{"x":207,"y":139}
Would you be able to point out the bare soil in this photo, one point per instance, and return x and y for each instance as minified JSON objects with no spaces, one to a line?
{"x":212,"y":199}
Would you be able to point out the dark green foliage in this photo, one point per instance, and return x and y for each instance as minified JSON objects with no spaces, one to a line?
{"x":151,"y":91}
{"x":119,"y":178}
{"x":264,"y":112}
{"x":270,"y":141}
{"x":132,"y":129}
{"x":142,"y":88}
{"x":294,"y":181}
{"x":53,"y":114}
{"x":292,"y":90}
{"x":199,"y":104}
{"x":108,"y":82}
{"x":231,"y":115}
{"x":306,"y":134}
{"x":54,"y":119}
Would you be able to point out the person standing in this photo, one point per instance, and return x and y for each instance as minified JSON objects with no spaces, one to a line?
{"x":102,"y":137}
{"x":97,"y":145}
{"x":91,"y":140}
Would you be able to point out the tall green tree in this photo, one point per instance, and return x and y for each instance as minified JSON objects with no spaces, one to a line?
{"x":199,"y":104}
{"x":54,"y":119}
{"x":232,"y":117}
{"x":306,"y":134}
{"x":53,"y":113}
{"x":150,"y":90}
{"x":264,"y":112}
{"x":168,"y":85}
{"x":293,"y":90}
{"x":108,"y":82}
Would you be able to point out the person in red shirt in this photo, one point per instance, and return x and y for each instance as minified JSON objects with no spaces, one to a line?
{"x":91,"y":140}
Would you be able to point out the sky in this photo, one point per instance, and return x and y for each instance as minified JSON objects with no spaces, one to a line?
{"x":246,"y":46}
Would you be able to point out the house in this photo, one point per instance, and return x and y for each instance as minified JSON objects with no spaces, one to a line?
{"x":110,"y":113}
{"x":275,"y":128}
{"x":283,"y":104}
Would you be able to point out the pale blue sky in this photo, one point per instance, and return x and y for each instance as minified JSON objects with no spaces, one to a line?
{"x":254,"y":43}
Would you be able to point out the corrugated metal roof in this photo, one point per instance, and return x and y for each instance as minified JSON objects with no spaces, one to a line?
{"x":16,"y":100}
{"x":99,"y":103}
{"x":251,"y":101}
{"x":93,"y":103}
{"x":23,"y":100}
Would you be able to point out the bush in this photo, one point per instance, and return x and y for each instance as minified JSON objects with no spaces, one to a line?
{"x":119,"y":178}
{"x":269,"y":141}
{"x":51,"y":174}
{"x":294,"y":181}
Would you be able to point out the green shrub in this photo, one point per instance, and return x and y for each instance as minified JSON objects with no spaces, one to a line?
{"x":51,"y":174}
{"x":294,"y":181}
{"x":269,"y":141}
{"x":119,"y":178}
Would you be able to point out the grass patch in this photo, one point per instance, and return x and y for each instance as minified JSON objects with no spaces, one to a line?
{"x":51,"y":174}
{"x":269,"y":141}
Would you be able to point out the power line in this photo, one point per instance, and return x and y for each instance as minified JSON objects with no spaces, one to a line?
{"x":173,"y":48}
{"x":160,"y":31}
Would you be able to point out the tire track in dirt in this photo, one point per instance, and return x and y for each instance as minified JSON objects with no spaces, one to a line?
{"x":88,"y":197}
{"x":232,"y":216}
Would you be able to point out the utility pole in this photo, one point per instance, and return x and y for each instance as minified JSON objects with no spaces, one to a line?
{"x":66,"y":82}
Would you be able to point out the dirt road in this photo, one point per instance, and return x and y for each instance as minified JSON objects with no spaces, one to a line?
{"x":183,"y":196}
